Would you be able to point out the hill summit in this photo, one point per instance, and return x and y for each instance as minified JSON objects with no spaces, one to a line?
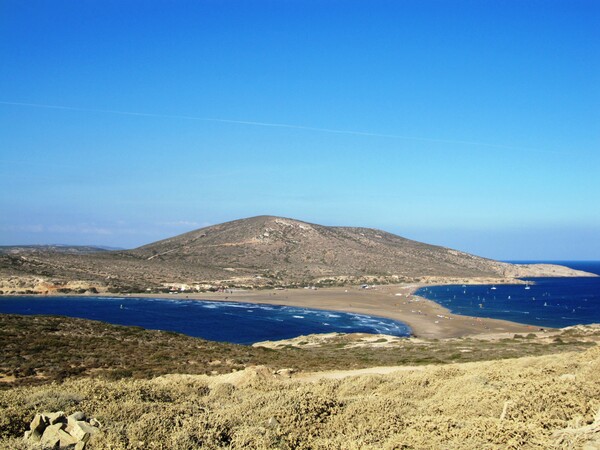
{"x":290,"y":248}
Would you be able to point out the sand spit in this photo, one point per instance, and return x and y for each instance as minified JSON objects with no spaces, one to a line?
{"x":426,"y":318}
{"x":528,"y":403}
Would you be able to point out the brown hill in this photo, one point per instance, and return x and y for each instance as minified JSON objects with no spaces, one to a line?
{"x":290,"y":248}
{"x":257,"y":251}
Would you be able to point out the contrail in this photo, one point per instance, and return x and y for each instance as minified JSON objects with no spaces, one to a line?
{"x":278,"y":125}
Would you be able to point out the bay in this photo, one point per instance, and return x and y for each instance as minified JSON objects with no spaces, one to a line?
{"x":240,"y":323}
{"x":545,"y":302}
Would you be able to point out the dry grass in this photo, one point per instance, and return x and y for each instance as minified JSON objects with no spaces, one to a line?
{"x":455,"y":406}
{"x":112,"y":373}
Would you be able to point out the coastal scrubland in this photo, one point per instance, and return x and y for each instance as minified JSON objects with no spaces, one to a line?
{"x":160,"y":390}
{"x":42,"y":349}
{"x":541,"y":402}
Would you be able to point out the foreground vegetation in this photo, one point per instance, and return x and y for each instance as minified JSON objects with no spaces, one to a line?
{"x":41,"y":349}
{"x":529,"y":403}
{"x":117,"y":375}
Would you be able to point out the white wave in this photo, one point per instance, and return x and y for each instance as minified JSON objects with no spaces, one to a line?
{"x":238,"y":305}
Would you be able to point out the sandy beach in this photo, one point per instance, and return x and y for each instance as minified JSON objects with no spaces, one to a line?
{"x":426,"y":318}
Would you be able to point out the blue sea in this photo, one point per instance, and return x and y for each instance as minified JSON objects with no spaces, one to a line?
{"x":549,"y":302}
{"x":240,"y":323}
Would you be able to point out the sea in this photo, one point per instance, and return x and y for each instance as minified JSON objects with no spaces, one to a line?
{"x":240,"y":323}
{"x":544,"y":302}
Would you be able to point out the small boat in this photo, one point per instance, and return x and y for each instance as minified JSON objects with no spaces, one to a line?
{"x":527,"y":286}
{"x":493,"y":288}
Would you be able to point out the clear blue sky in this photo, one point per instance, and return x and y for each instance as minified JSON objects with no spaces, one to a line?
{"x":470,"y":124}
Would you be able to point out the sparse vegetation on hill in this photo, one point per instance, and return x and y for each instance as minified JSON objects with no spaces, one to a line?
{"x":259,"y":252}
{"x":42,"y":349}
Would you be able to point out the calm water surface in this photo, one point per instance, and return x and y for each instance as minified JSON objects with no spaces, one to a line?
{"x":548,"y":302}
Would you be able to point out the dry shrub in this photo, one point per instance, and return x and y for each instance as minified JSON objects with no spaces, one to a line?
{"x":222,"y":390}
{"x":14,"y":420}
{"x":17,"y":410}
{"x":528,"y":403}
{"x":51,"y":399}
{"x":18,"y":444}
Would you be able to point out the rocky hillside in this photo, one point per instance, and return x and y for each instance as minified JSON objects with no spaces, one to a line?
{"x":291,"y":249}
{"x":295,"y":249}
{"x":259,"y":251}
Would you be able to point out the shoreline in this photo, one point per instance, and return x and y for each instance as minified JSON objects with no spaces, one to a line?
{"x":424,"y":317}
